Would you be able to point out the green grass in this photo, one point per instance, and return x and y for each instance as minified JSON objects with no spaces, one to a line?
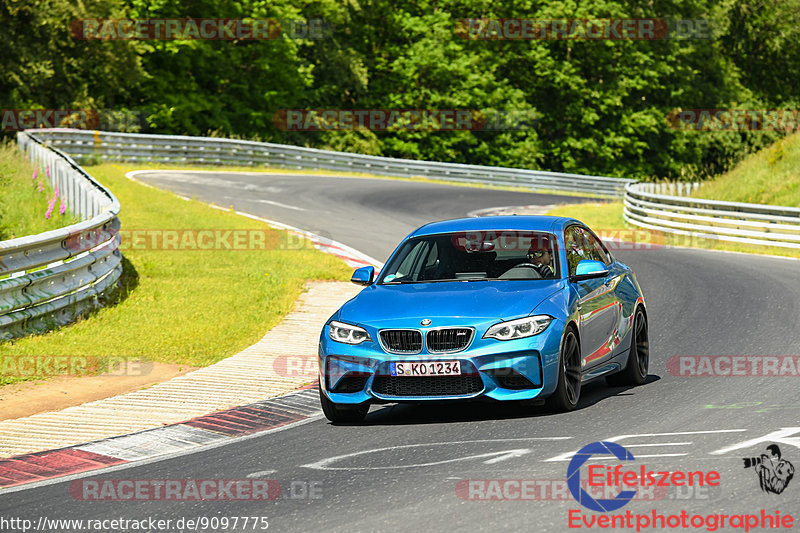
{"x":605,"y":218}
{"x":192,"y":307}
{"x":22,"y":205}
{"x":771,"y":176}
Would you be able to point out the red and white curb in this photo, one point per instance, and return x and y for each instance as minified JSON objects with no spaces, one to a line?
{"x":191,"y":435}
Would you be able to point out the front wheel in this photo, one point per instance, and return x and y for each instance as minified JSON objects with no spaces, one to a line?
{"x":336,"y":412}
{"x":635,"y":372}
{"x":568,"y":390}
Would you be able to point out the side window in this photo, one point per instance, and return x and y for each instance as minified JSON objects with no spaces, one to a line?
{"x":598,"y":250}
{"x":575,"y":252}
{"x":582,"y":245}
{"x":433,"y":255}
{"x":411,"y":262}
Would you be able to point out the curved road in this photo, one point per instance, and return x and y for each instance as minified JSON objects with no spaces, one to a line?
{"x":405,"y":468}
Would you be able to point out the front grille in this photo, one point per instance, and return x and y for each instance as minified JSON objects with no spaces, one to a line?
{"x":427,"y":386}
{"x":401,"y":340}
{"x":448,"y":339}
{"x":351,"y":384}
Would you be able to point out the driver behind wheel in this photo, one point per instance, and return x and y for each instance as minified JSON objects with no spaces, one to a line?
{"x":541,"y":257}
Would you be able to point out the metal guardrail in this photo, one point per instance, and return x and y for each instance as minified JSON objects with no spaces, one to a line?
{"x":645,"y":205}
{"x":108,"y":146}
{"x":759,"y":224}
{"x":50,"y":279}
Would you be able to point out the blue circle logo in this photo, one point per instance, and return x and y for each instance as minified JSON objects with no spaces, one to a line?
{"x":574,"y":476}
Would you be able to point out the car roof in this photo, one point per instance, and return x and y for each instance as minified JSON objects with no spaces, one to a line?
{"x":496,"y":223}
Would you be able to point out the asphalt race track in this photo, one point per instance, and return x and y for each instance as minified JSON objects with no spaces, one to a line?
{"x":408,"y":468}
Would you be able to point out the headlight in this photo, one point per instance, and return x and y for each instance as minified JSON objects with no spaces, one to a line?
{"x":517,"y":329}
{"x":347,"y":333}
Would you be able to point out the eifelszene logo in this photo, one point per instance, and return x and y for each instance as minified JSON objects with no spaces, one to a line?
{"x":602,"y":475}
{"x":774,"y":473}
{"x":574,"y":476}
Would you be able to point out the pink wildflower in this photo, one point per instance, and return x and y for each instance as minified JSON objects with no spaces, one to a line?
{"x":50,"y":208}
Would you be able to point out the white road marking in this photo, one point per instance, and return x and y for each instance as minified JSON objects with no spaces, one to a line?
{"x":324,"y":464}
{"x":510,"y":454}
{"x":612,"y":458}
{"x":497,"y":457}
{"x":260,"y":473}
{"x":657,"y":444}
{"x":278,"y":204}
{"x":567,"y":456}
{"x":783,"y":435}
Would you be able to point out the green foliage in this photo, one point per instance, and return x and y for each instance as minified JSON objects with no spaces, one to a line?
{"x":593,"y":106}
{"x":43,"y":66}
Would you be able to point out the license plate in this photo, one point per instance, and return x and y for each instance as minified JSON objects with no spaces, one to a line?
{"x":429,"y":368}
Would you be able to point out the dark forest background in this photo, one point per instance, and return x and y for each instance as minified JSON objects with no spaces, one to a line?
{"x":600,"y":107}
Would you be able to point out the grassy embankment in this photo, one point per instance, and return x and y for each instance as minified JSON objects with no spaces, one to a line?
{"x":185,"y":306}
{"x":771,"y":176}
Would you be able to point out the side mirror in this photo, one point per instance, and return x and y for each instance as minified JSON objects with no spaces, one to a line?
{"x":588,"y":269}
{"x":363,"y":275}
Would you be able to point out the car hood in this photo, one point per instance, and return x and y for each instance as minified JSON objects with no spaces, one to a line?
{"x":396,"y":305}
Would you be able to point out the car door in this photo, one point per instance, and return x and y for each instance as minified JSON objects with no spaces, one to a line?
{"x":598,"y":305}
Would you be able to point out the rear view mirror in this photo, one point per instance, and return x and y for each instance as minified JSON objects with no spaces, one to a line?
{"x":588,"y":269}
{"x":363,"y":275}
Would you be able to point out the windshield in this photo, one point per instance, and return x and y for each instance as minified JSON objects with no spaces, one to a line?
{"x":474,"y":256}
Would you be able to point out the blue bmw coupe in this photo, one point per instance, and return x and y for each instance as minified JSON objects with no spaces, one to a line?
{"x":503,"y":308}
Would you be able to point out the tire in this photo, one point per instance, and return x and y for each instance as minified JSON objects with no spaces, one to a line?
{"x":342,"y":413}
{"x":635,"y":372}
{"x":568,"y":390}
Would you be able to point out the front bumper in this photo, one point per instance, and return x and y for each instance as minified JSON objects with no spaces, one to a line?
{"x":520,"y":369}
